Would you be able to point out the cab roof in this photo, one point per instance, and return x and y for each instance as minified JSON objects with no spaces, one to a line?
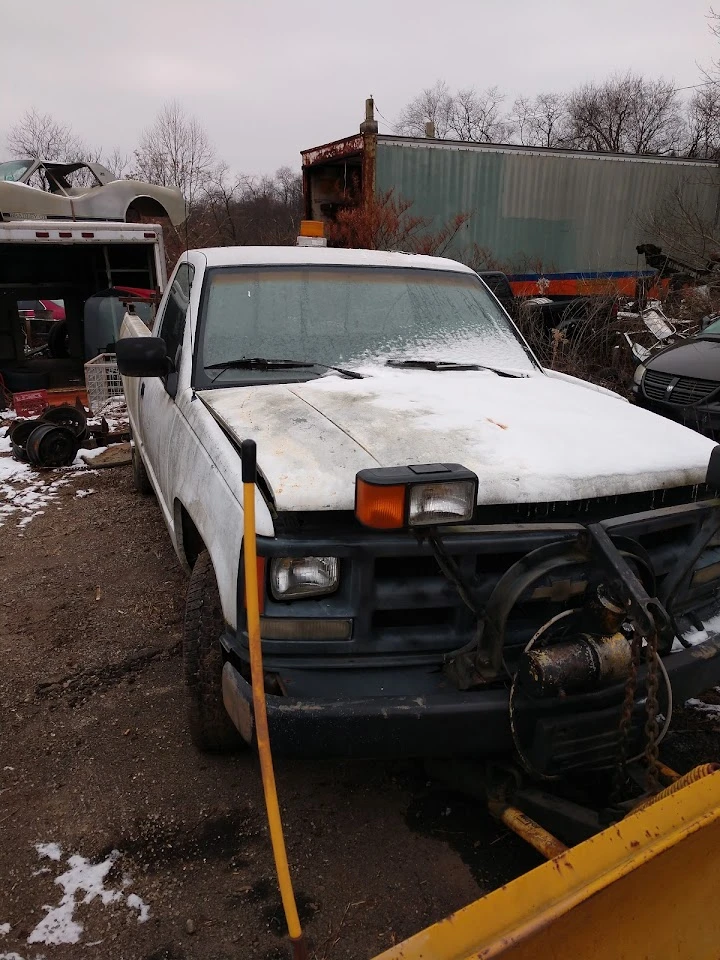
{"x":330,"y":256}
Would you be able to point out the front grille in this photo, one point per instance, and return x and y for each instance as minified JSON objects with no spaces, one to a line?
{"x":685,"y":390}
{"x":402,"y":606}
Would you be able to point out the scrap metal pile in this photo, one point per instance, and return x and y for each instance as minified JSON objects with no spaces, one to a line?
{"x":51,"y":440}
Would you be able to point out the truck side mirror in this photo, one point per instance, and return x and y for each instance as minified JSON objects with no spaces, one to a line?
{"x":143,"y":357}
{"x":712,"y":477}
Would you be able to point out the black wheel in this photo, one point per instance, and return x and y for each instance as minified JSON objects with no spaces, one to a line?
{"x":141,"y":481}
{"x":58,"y":340}
{"x":20,"y":430}
{"x":211,"y":729}
{"x":51,"y":446}
{"x":66,"y":416}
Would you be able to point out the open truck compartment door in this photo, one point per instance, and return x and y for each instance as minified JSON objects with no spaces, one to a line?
{"x":70,"y":262}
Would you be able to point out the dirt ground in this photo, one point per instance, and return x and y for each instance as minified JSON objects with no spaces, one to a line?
{"x":94,"y":758}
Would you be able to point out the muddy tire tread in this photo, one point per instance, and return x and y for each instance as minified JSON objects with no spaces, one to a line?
{"x":211,"y":729}
{"x":141,"y":481}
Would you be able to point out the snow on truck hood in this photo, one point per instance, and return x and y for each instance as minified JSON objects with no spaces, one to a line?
{"x":531,"y":439}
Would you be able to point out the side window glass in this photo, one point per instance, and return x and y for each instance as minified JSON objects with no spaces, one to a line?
{"x":172,"y":325}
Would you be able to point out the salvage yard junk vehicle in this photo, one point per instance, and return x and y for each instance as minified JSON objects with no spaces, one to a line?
{"x":44,"y":189}
{"x":683,"y":381}
{"x":542,"y":211}
{"x":459,"y":551}
{"x":70,"y":261}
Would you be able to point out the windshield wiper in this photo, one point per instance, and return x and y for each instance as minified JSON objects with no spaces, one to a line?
{"x":257,"y":363}
{"x":262,"y":363}
{"x":448,"y":365}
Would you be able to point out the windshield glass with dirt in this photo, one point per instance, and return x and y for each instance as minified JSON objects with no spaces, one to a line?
{"x":349,"y":316}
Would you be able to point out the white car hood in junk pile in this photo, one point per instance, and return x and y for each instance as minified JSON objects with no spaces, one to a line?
{"x":530,"y":440}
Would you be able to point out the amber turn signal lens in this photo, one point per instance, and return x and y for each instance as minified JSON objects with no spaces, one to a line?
{"x":312,"y":228}
{"x":381,"y":507}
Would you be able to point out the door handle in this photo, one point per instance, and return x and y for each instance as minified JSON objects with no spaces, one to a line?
{"x":142,"y":389}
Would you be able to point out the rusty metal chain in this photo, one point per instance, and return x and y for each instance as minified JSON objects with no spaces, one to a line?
{"x":626,"y":718}
{"x":652,"y":729}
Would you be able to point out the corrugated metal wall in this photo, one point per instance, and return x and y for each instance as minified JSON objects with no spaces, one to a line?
{"x":555,"y":212}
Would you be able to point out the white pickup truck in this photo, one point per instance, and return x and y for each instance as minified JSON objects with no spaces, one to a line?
{"x":447,"y":533}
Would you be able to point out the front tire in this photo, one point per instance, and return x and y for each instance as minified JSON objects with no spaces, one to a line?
{"x":141,"y":481}
{"x":211,"y":729}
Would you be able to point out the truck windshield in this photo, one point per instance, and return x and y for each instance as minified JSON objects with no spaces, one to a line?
{"x":353,"y":317}
{"x":14,"y":170}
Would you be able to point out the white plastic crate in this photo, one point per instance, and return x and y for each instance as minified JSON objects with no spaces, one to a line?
{"x":102,"y":380}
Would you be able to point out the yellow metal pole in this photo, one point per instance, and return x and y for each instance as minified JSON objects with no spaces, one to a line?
{"x":667,"y":773}
{"x":282,"y":868}
{"x":531,"y":832}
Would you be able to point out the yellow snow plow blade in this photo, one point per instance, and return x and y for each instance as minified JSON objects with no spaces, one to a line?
{"x":645,"y":887}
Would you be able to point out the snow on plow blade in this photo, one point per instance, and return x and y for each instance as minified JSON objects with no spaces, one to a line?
{"x":645,"y":887}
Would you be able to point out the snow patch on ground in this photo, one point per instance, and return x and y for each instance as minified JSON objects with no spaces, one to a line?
{"x":25,"y":492}
{"x":4,"y":929}
{"x":82,"y":882}
{"x":135,"y":903}
{"x":704,"y":707}
{"x":53,"y":851}
{"x":90,"y":454}
{"x":79,"y":494}
{"x":114,"y":412}
{"x":693,"y":637}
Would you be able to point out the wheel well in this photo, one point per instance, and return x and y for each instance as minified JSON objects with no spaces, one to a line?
{"x":192,"y":543}
{"x":144,"y":207}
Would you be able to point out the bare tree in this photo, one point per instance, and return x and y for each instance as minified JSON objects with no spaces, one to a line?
{"x":469,"y":114}
{"x":175,"y":151}
{"x":117,"y":162}
{"x":714,"y":24}
{"x":682,"y":225}
{"x":433,"y":105}
{"x":703,"y":123}
{"x":288,"y":187}
{"x":243,"y":210}
{"x":626,"y":114}
{"x":476,"y":116}
{"x":39,"y":136}
{"x":542,"y":121}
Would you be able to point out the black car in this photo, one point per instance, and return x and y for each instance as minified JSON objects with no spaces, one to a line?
{"x":682,"y":382}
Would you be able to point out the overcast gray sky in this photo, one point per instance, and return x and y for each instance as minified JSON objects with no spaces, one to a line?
{"x":268,"y":79}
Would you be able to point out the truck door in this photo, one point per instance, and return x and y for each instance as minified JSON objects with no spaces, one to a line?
{"x":157,"y":410}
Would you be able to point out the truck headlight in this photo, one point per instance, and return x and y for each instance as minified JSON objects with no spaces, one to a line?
{"x":639,"y":373}
{"x":422,"y":495}
{"x":294,"y":577}
{"x":432,"y":503}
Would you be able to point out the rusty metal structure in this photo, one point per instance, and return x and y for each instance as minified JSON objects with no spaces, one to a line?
{"x":572,"y":214}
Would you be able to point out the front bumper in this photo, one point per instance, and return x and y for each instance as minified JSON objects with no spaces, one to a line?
{"x":454,"y":723}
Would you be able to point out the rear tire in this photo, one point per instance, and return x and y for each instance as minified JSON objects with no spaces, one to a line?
{"x":141,"y":481}
{"x":211,"y":729}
